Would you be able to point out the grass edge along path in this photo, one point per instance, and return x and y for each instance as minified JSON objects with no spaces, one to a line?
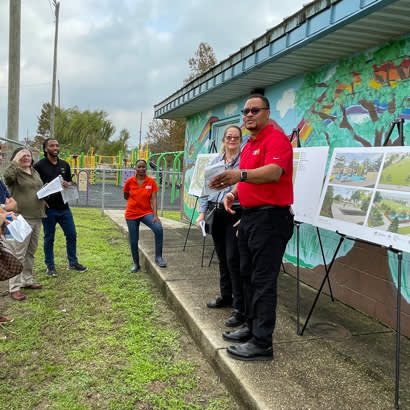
{"x":99,"y":339}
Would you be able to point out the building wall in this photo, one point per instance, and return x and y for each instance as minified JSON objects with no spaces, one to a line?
{"x":350,"y":103}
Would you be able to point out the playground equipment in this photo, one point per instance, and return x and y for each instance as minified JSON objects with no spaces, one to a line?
{"x":93,"y":162}
{"x":161,"y":165}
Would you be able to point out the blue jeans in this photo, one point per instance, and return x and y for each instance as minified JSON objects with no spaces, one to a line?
{"x":133,"y":233}
{"x":65,"y":219}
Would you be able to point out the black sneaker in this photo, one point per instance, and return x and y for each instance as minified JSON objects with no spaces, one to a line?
{"x":78,"y":267}
{"x":51,"y":271}
{"x":236,"y":319}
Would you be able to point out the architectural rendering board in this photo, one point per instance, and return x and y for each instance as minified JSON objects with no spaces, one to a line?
{"x":309,"y":165}
{"x":367,"y":195}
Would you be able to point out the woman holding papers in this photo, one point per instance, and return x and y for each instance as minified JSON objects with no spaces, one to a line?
{"x":23,"y":182}
{"x":224,"y":232}
{"x":140,"y":192}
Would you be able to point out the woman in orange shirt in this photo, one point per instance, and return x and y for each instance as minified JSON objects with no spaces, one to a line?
{"x":140,"y":192}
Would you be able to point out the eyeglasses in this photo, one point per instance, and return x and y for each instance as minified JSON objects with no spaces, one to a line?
{"x":232,"y":137}
{"x":254,"y":111}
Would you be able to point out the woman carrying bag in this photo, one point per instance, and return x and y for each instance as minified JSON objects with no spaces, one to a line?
{"x":223,"y":232}
{"x":23,"y":182}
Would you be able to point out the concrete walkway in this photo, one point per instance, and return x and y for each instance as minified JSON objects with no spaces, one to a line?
{"x":353,"y":367}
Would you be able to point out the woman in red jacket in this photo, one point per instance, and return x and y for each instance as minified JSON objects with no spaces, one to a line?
{"x":140,"y":192}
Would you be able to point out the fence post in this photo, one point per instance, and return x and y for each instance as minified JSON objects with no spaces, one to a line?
{"x":103,"y":192}
{"x":164,"y":176}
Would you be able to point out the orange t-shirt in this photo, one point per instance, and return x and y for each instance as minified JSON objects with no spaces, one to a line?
{"x":139,"y":201}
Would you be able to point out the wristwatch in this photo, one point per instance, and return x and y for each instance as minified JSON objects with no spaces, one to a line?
{"x":244,"y":176}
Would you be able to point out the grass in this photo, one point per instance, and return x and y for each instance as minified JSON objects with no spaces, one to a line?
{"x":100,"y":339}
{"x":174,"y":215}
{"x":404,"y":230}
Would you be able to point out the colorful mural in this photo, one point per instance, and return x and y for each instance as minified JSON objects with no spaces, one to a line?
{"x":347,"y":104}
{"x":353,"y":103}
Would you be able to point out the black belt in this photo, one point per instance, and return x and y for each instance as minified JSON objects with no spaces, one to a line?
{"x":265,"y":208}
{"x":220,"y":205}
{"x":217,"y":205}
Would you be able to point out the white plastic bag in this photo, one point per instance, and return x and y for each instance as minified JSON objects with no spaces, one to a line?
{"x":19,"y":229}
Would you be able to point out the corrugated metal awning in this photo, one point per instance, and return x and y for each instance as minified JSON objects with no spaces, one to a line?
{"x":323,"y":32}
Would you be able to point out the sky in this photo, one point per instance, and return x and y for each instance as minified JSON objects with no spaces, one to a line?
{"x":122,"y":56}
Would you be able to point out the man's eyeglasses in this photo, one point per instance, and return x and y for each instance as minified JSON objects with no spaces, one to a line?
{"x":254,"y":111}
{"x":232,"y":137}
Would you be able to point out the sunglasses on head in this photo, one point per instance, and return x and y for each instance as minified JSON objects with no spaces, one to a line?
{"x":254,"y":110}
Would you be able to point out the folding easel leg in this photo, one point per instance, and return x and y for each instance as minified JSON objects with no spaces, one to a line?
{"x":324,"y":263}
{"x":190,"y":224}
{"x":322,"y":284}
{"x":203,"y":251}
{"x":212,"y":256}
{"x":398,"y":331}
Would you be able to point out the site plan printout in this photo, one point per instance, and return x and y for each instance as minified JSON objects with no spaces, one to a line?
{"x":367,"y":195}
{"x":198,"y":177}
{"x":309,"y":166}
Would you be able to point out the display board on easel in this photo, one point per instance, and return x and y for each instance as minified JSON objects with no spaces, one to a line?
{"x":197,"y":181}
{"x":309,"y":165}
{"x":367,"y":195}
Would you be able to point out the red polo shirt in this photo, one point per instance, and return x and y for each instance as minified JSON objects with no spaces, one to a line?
{"x":139,"y":201}
{"x":270,"y":146}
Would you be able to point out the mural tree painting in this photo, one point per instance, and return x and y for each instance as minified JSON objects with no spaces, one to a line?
{"x":353,"y":102}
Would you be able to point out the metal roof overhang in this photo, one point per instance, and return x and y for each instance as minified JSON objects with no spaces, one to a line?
{"x":323,"y":32}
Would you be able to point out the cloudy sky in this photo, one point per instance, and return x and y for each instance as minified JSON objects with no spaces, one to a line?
{"x":123,"y":56}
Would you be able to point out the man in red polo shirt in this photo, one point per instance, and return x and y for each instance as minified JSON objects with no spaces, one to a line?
{"x":265,"y":191}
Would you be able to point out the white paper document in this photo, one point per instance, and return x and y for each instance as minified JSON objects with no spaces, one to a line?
{"x":309,"y":165}
{"x":197,"y":181}
{"x":19,"y":229}
{"x":51,"y":188}
{"x":202,"y":225}
{"x":367,"y":195}
{"x":70,"y":194}
{"x":209,"y":173}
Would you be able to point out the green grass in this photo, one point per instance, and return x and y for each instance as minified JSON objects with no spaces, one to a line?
{"x":100,"y":339}
{"x":404,"y":231}
{"x":396,"y":174}
{"x":174,"y":215}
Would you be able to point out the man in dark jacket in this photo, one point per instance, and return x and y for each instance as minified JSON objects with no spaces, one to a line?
{"x":57,"y":211}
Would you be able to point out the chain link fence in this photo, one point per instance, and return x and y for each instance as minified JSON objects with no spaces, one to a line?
{"x":9,"y":146}
{"x":102,"y":188}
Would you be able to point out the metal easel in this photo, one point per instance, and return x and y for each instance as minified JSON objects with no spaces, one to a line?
{"x":400,"y":127}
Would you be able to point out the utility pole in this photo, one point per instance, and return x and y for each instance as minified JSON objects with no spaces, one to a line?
{"x":140,"y":132}
{"x":58,"y":84}
{"x":53,"y":92}
{"x":13,"y":105}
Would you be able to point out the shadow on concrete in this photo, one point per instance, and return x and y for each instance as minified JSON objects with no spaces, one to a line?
{"x":352,"y":368}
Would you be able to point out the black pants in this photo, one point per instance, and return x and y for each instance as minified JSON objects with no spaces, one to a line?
{"x":263,"y":235}
{"x":226,"y":247}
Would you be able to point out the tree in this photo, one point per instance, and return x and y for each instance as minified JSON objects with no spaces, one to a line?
{"x":169,"y":135}
{"x":166,"y":135}
{"x":78,"y":131}
{"x":394,"y":226}
{"x":327,"y":203}
{"x":202,"y":61}
{"x":121,"y":144}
